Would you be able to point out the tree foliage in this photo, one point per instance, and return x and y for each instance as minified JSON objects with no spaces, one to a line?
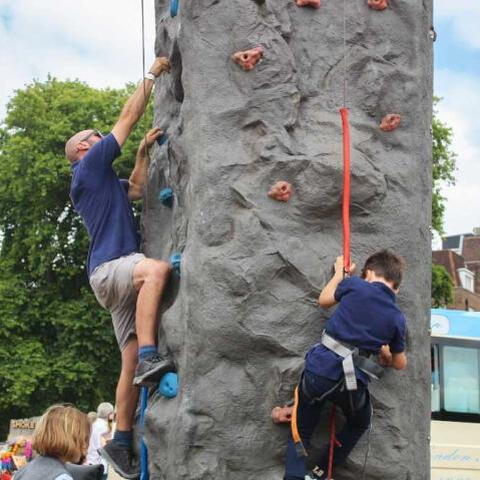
{"x":56,"y":343}
{"x":443,"y":171}
{"x":442,"y":286}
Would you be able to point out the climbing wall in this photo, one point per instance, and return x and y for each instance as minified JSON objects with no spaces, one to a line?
{"x":243,"y":312}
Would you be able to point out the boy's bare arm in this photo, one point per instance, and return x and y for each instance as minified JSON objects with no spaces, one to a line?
{"x":327,"y":295}
{"x":399,"y":361}
{"x":386,"y":358}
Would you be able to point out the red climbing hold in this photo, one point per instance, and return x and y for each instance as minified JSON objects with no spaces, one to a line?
{"x":308,"y":3}
{"x":390,"y":122}
{"x":248,"y":58}
{"x":282,"y":414}
{"x":378,"y":4}
{"x":281,"y":191}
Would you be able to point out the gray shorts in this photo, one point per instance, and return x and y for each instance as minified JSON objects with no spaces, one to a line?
{"x":112,"y":284}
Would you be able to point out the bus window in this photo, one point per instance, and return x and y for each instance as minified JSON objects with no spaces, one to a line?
{"x":461,"y":379}
{"x":435,"y":379}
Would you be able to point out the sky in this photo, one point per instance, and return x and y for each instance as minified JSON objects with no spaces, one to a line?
{"x":99,"y":42}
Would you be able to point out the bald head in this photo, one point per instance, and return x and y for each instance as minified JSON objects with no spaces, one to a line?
{"x":72,"y":145}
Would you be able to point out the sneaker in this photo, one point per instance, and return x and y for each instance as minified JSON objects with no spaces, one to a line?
{"x":150,"y":371}
{"x":120,"y":458}
{"x":316,"y":474}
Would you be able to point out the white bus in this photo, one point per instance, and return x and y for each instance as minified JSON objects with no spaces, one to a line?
{"x":455,"y":426}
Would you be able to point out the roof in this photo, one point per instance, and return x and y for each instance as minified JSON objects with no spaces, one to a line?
{"x":453,"y":241}
{"x":451,"y":261}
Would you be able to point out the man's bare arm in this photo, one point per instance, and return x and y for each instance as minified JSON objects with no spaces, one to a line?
{"x":138,"y":176}
{"x":136,"y":104}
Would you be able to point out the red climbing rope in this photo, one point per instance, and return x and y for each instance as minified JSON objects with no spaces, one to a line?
{"x":333,"y":442}
{"x":346,"y":255}
{"x":346,"y":190}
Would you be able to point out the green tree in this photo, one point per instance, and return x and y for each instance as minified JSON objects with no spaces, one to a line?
{"x":443,"y":173}
{"x":444,"y":166}
{"x":56,"y":343}
{"x":442,"y":286}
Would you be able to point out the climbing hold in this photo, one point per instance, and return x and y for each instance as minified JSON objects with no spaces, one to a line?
{"x":166,"y":197}
{"x":378,"y":4}
{"x":308,"y":3}
{"x":162,"y":139}
{"x":248,"y":58}
{"x":169,"y":385}
{"x":173,"y":8}
{"x":281,"y":191}
{"x":175,"y":261}
{"x":282,"y":414}
{"x":390,"y":122}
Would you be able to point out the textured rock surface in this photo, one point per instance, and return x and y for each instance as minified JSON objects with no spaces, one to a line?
{"x":244,"y":312}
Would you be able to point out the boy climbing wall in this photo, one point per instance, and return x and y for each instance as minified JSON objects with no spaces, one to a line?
{"x":367,"y":322}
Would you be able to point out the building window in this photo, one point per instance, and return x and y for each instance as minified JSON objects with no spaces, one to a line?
{"x":467,"y":278}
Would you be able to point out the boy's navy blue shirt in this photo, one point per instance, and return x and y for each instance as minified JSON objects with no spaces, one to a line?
{"x":101,"y":198}
{"x":367,"y":317}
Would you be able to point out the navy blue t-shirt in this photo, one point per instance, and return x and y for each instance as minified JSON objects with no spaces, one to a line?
{"x":366,"y":317}
{"x":100,"y":197}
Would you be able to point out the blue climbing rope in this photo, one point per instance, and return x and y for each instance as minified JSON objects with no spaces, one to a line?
{"x":143,"y":447}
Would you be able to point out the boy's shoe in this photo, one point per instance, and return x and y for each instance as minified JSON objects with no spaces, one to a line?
{"x":120,"y":458}
{"x":150,"y":371}
{"x":316,"y":474}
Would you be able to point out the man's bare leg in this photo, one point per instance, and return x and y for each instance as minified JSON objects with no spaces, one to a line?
{"x":119,"y":452}
{"x":149,"y":279}
{"x":127,"y":395}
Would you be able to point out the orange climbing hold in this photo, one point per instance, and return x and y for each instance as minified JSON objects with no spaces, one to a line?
{"x":378,"y":4}
{"x":308,"y":3}
{"x":281,"y":191}
{"x":282,"y":414}
{"x":390,"y":122}
{"x":248,"y":58}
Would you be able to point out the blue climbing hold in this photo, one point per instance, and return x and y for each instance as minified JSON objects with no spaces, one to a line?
{"x":175,"y":261}
{"x":166,"y":197}
{"x":169,"y":385}
{"x":173,"y":8}
{"x":162,"y":139}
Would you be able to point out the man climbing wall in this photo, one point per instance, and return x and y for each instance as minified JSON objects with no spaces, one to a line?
{"x":124,"y":281}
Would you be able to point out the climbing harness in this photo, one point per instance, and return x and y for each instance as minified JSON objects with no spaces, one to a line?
{"x":352,"y":357}
{"x":297,"y":440}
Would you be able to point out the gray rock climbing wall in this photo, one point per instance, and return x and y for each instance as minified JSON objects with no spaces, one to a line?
{"x":244,"y":312}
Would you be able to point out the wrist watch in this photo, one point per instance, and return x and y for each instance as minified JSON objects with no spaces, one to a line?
{"x":150,"y":76}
